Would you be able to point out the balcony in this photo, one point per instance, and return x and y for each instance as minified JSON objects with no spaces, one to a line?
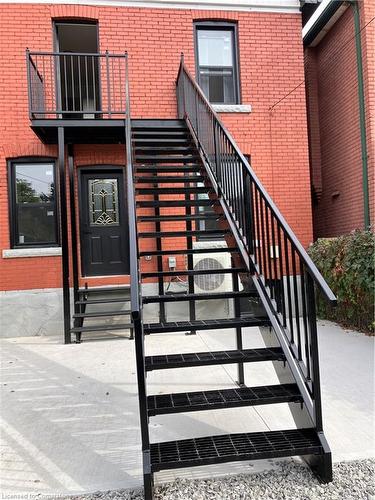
{"x":84,"y":93}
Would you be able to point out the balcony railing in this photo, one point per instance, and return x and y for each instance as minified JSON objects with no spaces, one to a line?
{"x":65,"y":85}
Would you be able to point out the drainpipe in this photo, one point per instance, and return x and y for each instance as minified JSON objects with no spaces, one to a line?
{"x":362,"y":117}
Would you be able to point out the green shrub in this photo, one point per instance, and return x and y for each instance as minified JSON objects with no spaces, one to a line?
{"x":347,"y":264}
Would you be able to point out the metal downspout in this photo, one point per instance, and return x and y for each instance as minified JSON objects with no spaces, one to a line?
{"x":362,"y":116}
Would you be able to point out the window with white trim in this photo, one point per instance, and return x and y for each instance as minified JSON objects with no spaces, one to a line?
{"x":217,"y":66}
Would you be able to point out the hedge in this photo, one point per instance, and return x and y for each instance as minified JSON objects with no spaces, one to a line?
{"x":347,"y":264}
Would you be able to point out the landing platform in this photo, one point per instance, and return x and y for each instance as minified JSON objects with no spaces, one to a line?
{"x":70,"y":412}
{"x":90,"y":131}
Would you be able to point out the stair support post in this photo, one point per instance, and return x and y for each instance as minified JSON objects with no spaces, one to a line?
{"x":64,"y":234}
{"x":142,"y":399}
{"x":310,"y":292}
{"x":190,"y":262}
{"x":73,"y":229}
{"x":248,"y":203}
{"x":217,"y":159}
{"x":239,"y":341}
{"x":159,"y":259}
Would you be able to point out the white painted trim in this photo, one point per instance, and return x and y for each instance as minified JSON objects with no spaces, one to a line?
{"x":277,"y":6}
{"x":232,"y":108}
{"x":14,"y":253}
{"x":336,"y":16}
{"x":313,"y":19}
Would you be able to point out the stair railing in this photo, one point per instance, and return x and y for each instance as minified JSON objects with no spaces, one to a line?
{"x":135,"y":296}
{"x":135,"y":288}
{"x":283,"y":273}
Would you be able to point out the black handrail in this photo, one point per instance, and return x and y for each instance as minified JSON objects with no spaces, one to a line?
{"x":283,"y":273}
{"x":135,"y":289}
{"x":133,"y":240}
{"x":315,"y":274}
{"x":75,"y":84}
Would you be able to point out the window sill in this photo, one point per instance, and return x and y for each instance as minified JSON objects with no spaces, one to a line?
{"x":14,"y":253}
{"x":232,"y":108}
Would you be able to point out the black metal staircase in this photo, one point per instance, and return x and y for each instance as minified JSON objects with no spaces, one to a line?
{"x":175,"y":163}
{"x":188,"y":172}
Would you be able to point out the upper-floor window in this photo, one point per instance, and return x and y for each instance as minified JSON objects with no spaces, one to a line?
{"x":33,"y":214}
{"x":217,"y":67}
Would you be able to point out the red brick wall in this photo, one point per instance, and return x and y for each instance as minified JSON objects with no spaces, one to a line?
{"x":271,"y":64}
{"x":335,"y":146}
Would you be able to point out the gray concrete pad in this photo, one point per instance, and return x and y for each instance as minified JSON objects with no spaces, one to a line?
{"x":70,"y":424}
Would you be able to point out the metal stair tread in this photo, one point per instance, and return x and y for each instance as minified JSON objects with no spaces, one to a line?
{"x":181,"y":297}
{"x":176,"y":203}
{"x":164,"y":139}
{"x":160,"y":131}
{"x":161,"y":149}
{"x":167,"y":168}
{"x":191,"y":359}
{"x":104,"y":289}
{"x":181,"y":234}
{"x":166,"y":159}
{"x":183,"y":217}
{"x":102,"y":314}
{"x":103,"y":300}
{"x":101,"y":328}
{"x":187,"y":251}
{"x":194,"y":272}
{"x":155,"y":125}
{"x":166,"y":179}
{"x":161,"y":404}
{"x":209,"y":324}
{"x":234,"y":447}
{"x":172,"y":190}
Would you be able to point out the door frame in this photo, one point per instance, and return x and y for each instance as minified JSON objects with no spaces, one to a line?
{"x":56,"y":48}
{"x":88,"y":169}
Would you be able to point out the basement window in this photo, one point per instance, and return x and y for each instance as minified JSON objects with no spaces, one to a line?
{"x":33,"y":208}
{"x":217,"y":61}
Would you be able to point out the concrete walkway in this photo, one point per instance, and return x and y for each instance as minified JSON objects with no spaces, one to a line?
{"x":70,"y":422}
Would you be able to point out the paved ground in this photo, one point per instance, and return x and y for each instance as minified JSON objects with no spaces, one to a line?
{"x":70,"y":413}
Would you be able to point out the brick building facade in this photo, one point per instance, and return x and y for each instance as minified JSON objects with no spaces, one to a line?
{"x":268,"y":125}
{"x":333,"y":101}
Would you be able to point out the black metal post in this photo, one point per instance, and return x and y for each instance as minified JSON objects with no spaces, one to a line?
{"x":237,"y":314}
{"x":310,"y":292}
{"x":108,"y":84}
{"x":190,"y":260}
{"x":29,"y":90}
{"x":183,"y":86}
{"x":64,"y":235}
{"x":73,"y":231}
{"x":217,"y":158}
{"x":135,"y":300}
{"x":159,"y":259}
{"x":142,"y":399}
{"x":248,"y":204}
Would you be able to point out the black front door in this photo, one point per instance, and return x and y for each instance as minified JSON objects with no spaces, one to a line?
{"x":104,"y":227}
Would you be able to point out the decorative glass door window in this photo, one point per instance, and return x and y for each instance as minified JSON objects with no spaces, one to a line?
{"x":103,"y":202}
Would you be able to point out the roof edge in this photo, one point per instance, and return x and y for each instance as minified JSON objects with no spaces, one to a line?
{"x":325,"y":16}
